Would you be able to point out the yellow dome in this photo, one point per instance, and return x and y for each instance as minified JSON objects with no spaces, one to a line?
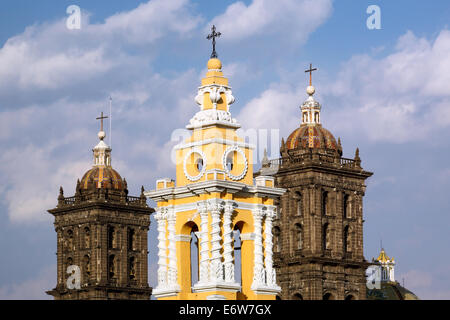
{"x":214,"y":64}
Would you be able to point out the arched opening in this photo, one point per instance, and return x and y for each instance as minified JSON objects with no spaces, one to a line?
{"x":316,"y":117}
{"x":298,"y":244}
{"x":324,"y":202}
{"x":237,"y":253}
{"x":87,"y":238}
{"x":111,"y":237}
{"x":189,"y":244}
{"x":328,"y":296}
{"x":131,"y":238}
{"x":345,"y":239}
{"x":195,"y":255}
{"x":132,"y":268}
{"x":86,"y":267}
{"x":70,"y":240}
{"x":297,"y":296}
{"x":349,"y":297}
{"x":325,"y":237}
{"x":345,"y":206}
{"x":276,"y":239}
{"x":111,"y":267}
{"x":298,"y":200}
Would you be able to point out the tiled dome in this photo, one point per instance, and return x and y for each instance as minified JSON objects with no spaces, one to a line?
{"x":312,"y":136}
{"x":102,"y":177}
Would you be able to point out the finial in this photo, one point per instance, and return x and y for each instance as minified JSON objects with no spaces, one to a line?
{"x":357,"y":158}
{"x":310,"y":70}
{"x":310,"y":90}
{"x":213,"y":36}
{"x":61,"y":191}
{"x":101,"y":134}
{"x":265,"y":159}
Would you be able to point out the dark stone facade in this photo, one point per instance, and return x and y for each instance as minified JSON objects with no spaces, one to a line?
{"x":103,"y":232}
{"x":318,"y":234}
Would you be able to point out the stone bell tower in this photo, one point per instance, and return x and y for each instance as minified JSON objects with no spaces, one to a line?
{"x":318,"y":237}
{"x":101,"y":236}
{"x":216,"y":201}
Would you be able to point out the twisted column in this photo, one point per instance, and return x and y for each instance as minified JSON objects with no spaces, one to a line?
{"x":268,"y":246}
{"x":258,"y":265}
{"x":204,"y":250}
{"x":172,"y":274}
{"x":160,"y":217}
{"x":216,"y":268}
{"x":228,"y":243}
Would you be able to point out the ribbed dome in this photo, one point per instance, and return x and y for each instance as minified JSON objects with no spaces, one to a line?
{"x":102,"y":177}
{"x":312,"y":136}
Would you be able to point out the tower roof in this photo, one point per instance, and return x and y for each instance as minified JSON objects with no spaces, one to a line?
{"x":383,"y":257}
{"x":102,"y":175}
{"x":311,"y":134}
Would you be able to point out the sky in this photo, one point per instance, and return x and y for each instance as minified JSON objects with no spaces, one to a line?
{"x":386,"y":91}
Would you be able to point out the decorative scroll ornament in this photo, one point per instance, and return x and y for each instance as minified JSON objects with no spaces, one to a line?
{"x":213,"y":116}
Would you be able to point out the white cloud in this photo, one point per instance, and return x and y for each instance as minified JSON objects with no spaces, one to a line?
{"x":50,"y":56}
{"x":402,"y":97}
{"x":293,"y":19}
{"x":31,"y":289}
{"x":54,"y":81}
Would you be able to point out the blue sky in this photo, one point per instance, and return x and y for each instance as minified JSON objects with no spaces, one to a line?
{"x":386,"y":91}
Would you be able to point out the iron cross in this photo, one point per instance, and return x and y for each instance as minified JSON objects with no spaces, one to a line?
{"x":213,"y":36}
{"x":310,"y":73}
{"x":101,"y":121}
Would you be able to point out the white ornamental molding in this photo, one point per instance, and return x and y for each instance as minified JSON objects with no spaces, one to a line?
{"x":224,"y":163}
{"x":212,"y":116}
{"x":214,"y":94}
{"x":202,"y":155}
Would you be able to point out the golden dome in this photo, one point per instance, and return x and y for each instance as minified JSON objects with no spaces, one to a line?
{"x":383,"y":257}
{"x":214,"y":64}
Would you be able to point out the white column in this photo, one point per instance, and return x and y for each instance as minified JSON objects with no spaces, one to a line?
{"x":216,"y":267}
{"x":204,"y":247}
{"x":172,"y":274}
{"x":228,"y":243}
{"x":268,"y":245}
{"x":162,"y":248}
{"x":258,"y":265}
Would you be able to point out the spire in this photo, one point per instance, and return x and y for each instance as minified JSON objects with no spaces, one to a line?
{"x":102,"y":152}
{"x":214,"y":96}
{"x":61,"y":196}
{"x":310,"y":108}
{"x":357,"y":158}
{"x":265,"y":159}
{"x":387,"y":267}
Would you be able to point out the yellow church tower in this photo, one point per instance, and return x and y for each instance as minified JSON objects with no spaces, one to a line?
{"x":214,"y":199}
